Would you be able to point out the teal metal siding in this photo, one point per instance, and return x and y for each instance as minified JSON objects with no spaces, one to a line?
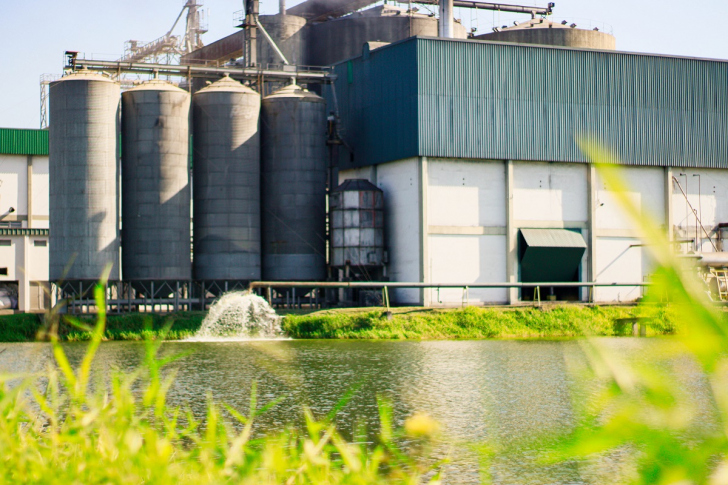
{"x":505,"y":101}
{"x":377,"y":102}
{"x":23,"y":142}
{"x":481,"y":100}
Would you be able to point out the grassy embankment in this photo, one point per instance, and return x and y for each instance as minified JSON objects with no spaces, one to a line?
{"x":406,"y":323}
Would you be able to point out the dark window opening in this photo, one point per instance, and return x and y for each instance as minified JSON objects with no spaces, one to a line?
{"x":550,"y":256}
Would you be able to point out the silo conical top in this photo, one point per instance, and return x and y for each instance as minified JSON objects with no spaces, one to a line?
{"x":156,"y":85}
{"x":84,"y":75}
{"x":226,"y":84}
{"x":295,"y":91}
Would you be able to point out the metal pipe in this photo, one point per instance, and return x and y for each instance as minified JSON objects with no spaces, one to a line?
{"x":399,"y":284}
{"x":501,"y":7}
{"x":202,"y":71}
{"x":282,"y":7}
{"x":445,"y":24}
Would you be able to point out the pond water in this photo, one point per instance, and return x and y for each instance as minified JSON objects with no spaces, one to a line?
{"x":514,"y":395}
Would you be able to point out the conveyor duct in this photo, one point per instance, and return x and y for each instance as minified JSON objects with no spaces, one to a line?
{"x":550,"y":254}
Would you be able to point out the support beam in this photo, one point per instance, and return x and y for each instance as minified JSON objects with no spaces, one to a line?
{"x":591,"y":243}
{"x":23,"y":276}
{"x":668,"y":205}
{"x":511,"y":236}
{"x":30,"y":191}
{"x":425,"y":276}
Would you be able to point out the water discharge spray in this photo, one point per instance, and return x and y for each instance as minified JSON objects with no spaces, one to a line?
{"x":240,"y":315}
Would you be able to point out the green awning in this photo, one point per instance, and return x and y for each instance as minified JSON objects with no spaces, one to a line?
{"x":550,"y":255}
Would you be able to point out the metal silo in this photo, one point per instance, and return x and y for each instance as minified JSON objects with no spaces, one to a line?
{"x":84,"y":177}
{"x":357,"y":225}
{"x":226,"y":183}
{"x":155,"y":185}
{"x":294,"y":164}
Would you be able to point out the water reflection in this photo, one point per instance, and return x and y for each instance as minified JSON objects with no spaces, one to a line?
{"x":516,"y":395}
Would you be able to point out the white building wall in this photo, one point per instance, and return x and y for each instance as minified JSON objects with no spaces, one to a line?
{"x":466,"y":218}
{"x":620,"y":255}
{"x":38,"y":260}
{"x":645,"y":189}
{"x":466,"y":193}
{"x":620,"y":260}
{"x":467,"y":259}
{"x":550,"y":194}
{"x":13,"y":187}
{"x":41,"y":191}
{"x":707,"y":194}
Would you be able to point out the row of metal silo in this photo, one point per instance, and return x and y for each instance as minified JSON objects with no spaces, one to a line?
{"x":258,"y":181}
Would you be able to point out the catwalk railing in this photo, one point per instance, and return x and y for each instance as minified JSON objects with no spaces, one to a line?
{"x":186,"y":295}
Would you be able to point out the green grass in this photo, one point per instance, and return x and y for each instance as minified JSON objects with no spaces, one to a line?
{"x":131,"y":326}
{"x":477,"y":323}
{"x":366,"y":323}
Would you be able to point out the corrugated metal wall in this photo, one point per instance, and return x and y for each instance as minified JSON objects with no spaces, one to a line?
{"x":23,"y":142}
{"x":503,"y":101}
{"x":377,"y":101}
{"x":516,"y":102}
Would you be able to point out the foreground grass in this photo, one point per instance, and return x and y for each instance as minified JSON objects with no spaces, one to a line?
{"x":55,"y":428}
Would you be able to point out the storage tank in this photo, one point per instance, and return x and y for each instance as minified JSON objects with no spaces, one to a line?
{"x":294,"y":164}
{"x":226,"y":182}
{"x":286,"y":32}
{"x":337,"y":40}
{"x":357,"y":224}
{"x":155,"y":182}
{"x":84,"y":177}
{"x":545,"y":32}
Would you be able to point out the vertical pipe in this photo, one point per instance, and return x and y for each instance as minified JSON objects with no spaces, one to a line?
{"x":282,"y":7}
{"x":445,"y":25}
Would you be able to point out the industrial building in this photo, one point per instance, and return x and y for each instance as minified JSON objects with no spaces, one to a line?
{"x":24,"y":220}
{"x":413,"y":153}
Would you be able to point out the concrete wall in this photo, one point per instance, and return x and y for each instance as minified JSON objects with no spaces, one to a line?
{"x":620,"y":257}
{"x":466,"y":218}
{"x":550,"y":194}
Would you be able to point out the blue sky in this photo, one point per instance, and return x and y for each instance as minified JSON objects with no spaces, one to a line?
{"x":37,"y":32}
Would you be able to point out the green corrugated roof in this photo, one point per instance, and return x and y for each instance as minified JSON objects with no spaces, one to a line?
{"x":448,"y":98}
{"x":16,"y":141}
{"x":23,"y":232}
{"x":553,"y":238}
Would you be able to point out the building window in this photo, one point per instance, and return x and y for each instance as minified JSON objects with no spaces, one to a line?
{"x":3,"y":271}
{"x":40,"y":243}
{"x":14,"y":224}
{"x":4,"y":242}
